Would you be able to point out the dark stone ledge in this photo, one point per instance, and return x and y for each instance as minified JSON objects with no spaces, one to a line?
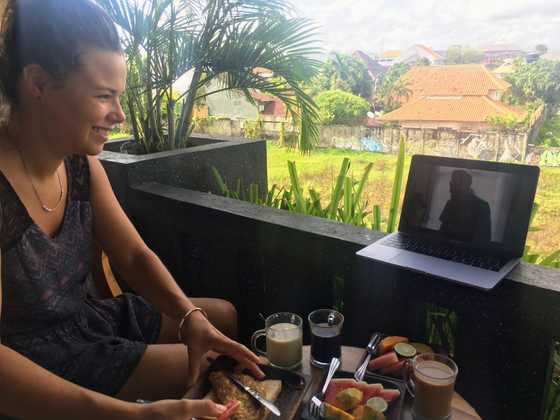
{"x":528,"y":274}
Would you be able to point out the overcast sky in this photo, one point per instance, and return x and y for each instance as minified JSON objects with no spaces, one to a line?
{"x":376,"y":25}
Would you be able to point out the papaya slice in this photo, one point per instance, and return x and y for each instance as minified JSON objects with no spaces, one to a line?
{"x":334,"y":413}
{"x":389,"y":342}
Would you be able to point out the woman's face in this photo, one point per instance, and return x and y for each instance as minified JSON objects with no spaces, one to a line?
{"x":85,"y":107}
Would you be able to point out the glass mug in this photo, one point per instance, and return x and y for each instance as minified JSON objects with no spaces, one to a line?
{"x":434,"y":379}
{"x":283,"y":331}
{"x":326,"y":340}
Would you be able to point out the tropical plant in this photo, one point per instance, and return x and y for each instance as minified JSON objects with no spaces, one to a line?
{"x":507,"y":123}
{"x":346,"y":204}
{"x":391,"y":87}
{"x":537,"y":80}
{"x":339,"y":107}
{"x":216,"y":42}
{"x":343,"y":72}
{"x":397,"y":187}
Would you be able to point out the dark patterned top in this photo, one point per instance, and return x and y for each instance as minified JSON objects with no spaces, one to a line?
{"x":47,"y":314}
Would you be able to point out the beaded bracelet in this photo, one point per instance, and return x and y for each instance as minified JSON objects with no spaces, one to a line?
{"x":187,"y":314}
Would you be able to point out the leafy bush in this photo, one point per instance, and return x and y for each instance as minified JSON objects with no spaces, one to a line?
{"x":339,"y":107}
{"x":538,"y":80}
{"x":253,"y":129}
{"x":549,"y":134}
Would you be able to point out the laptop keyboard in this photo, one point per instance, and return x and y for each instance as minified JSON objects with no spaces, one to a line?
{"x":444,"y":251}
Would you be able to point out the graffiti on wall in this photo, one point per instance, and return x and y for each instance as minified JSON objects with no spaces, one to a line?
{"x":367,"y":144}
{"x":346,"y":143}
{"x":372,"y":145}
{"x":511,"y":151}
{"x":478,"y":146}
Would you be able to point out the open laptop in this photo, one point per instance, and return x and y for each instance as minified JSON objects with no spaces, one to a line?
{"x":462,"y":220}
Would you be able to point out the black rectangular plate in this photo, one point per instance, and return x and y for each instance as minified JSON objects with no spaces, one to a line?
{"x":395,"y":410}
{"x":294,"y":387}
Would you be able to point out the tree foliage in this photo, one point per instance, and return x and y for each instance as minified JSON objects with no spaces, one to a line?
{"x":392,"y":86}
{"x":339,"y":107}
{"x":464,"y":55}
{"x":535,"y":81}
{"x":219,"y":41}
{"x":343,"y":72}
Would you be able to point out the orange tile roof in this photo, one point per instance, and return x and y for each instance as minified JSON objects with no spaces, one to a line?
{"x":461,"y":79}
{"x":430,"y":51}
{"x":391,"y":53}
{"x":259,"y":70}
{"x":263,"y":97}
{"x":452,"y":109}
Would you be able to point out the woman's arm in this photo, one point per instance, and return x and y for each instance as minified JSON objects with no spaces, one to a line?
{"x":29,"y":391}
{"x":139,"y":265}
{"x":147,"y":275}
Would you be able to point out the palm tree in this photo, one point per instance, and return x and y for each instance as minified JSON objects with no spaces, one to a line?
{"x":219,"y":41}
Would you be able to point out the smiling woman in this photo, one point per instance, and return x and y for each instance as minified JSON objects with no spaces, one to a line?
{"x":61,"y":74}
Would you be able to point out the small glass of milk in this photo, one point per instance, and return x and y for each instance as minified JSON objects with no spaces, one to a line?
{"x":283,"y":331}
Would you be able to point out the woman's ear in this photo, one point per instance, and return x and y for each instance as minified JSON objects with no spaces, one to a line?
{"x":34,"y":81}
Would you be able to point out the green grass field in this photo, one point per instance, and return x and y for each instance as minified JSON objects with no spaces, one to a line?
{"x":319,"y":170}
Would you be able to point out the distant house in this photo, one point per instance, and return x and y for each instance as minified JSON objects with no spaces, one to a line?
{"x":269,"y":106}
{"x":460,"y":97}
{"x":388,"y":58}
{"x":419,"y":52}
{"x":231,"y":104}
{"x":374,"y":68}
{"x":495,"y":55}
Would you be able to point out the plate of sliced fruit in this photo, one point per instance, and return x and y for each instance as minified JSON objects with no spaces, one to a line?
{"x":392,"y":354}
{"x":374,"y":398}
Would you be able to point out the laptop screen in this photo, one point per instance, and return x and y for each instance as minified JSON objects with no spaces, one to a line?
{"x":481,"y":205}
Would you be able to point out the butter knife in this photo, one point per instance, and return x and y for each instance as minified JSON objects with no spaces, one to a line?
{"x":255,"y":395}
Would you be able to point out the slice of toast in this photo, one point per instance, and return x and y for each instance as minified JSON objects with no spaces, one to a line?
{"x":224,"y":390}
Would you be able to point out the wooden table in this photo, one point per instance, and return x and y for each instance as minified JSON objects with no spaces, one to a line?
{"x":351,"y":357}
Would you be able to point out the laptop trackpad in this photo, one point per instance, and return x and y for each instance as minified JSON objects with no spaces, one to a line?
{"x":413,"y":260}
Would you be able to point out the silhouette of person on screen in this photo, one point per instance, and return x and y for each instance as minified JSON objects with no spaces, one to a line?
{"x":465,"y":216}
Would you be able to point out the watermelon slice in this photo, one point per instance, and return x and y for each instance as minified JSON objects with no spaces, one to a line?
{"x":340,"y":384}
{"x":389,"y":395}
{"x":394,"y":369}
{"x":381,"y":362}
{"x":231,"y":406}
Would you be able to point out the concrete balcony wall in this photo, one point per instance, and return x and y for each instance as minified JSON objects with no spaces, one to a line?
{"x":267,"y":260}
{"x":235,"y":159}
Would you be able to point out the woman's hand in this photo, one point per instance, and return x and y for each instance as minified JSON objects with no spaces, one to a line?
{"x":201,"y":336}
{"x":180,"y":409}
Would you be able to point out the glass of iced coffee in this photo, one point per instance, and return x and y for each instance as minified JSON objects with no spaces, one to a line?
{"x":283,"y":331}
{"x":434,"y":378}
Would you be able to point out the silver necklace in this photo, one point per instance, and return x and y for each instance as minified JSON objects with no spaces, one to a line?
{"x":43,"y":205}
